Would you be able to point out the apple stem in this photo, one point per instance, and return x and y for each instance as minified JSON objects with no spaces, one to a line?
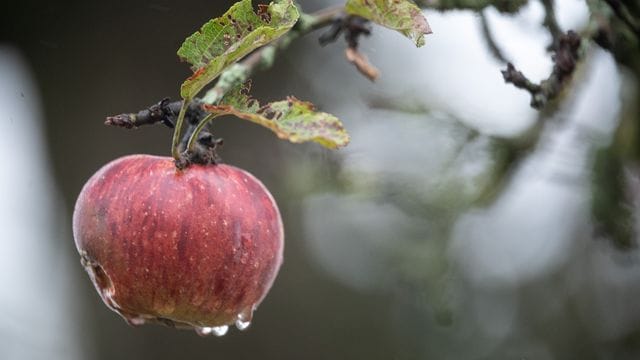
{"x":203,"y":151}
{"x":175,"y":144}
{"x":200,"y":146}
{"x":197,"y":145}
{"x":191,"y":144}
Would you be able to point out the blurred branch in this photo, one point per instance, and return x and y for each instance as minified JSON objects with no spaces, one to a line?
{"x":505,"y":6}
{"x":566,"y":46}
{"x":507,"y":152}
{"x":611,"y":204}
{"x":623,"y":13}
{"x":353,"y":28}
{"x":569,"y":48}
{"x":360,"y":61}
{"x":488,"y":37}
{"x":565,"y":59}
{"x":550,"y":20}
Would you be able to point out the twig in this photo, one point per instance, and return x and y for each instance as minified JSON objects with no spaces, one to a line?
{"x":550,"y":20}
{"x":517,"y":78}
{"x":565,"y":59}
{"x":488,"y":37}
{"x":164,"y":112}
{"x":505,"y":6}
{"x":568,"y":49}
{"x":167,"y":112}
{"x":361,"y":63}
{"x":353,"y":28}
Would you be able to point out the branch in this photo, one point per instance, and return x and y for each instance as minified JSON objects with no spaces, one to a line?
{"x":565,"y":60}
{"x":353,"y":28}
{"x":505,"y":6}
{"x":517,"y":78}
{"x":550,"y":20}
{"x":166,"y":112}
{"x":360,"y":61}
{"x":491,"y":43}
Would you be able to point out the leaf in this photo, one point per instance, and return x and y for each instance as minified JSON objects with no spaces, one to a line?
{"x":226,"y":39}
{"x":401,"y":15}
{"x":291,"y":119}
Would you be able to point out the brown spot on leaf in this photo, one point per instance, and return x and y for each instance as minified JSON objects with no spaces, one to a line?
{"x":263,"y":12}
{"x":197,"y":73}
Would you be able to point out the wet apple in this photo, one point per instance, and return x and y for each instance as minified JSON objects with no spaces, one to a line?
{"x":194,"y":248}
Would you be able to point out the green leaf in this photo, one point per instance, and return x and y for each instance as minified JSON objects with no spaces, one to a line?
{"x":401,"y":15}
{"x":224,"y":40}
{"x":291,"y":119}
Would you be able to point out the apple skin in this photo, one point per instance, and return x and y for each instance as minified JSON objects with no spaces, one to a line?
{"x":191,"y":248}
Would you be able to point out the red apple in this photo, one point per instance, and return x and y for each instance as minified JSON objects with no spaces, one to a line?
{"x":194,"y":248}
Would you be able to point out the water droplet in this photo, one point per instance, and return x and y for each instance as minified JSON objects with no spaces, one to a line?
{"x":243,"y":320}
{"x":220,"y":330}
{"x":215,"y":330}
{"x":135,"y":320}
{"x":242,"y":325}
{"x":204,"y":331}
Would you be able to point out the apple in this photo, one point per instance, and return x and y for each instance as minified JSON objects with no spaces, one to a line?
{"x":195,"y":248}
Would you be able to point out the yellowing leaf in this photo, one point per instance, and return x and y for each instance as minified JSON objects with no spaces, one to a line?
{"x":291,"y":119}
{"x":224,"y":40}
{"x":401,"y":15}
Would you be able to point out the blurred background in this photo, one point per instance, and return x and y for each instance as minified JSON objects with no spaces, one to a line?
{"x":458,"y":224}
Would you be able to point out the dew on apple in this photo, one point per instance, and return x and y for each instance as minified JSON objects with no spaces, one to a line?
{"x":220,"y":330}
{"x":135,"y":320}
{"x":242,"y":325}
{"x":213,"y":330}
{"x":243,"y":320}
{"x":204,"y":331}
